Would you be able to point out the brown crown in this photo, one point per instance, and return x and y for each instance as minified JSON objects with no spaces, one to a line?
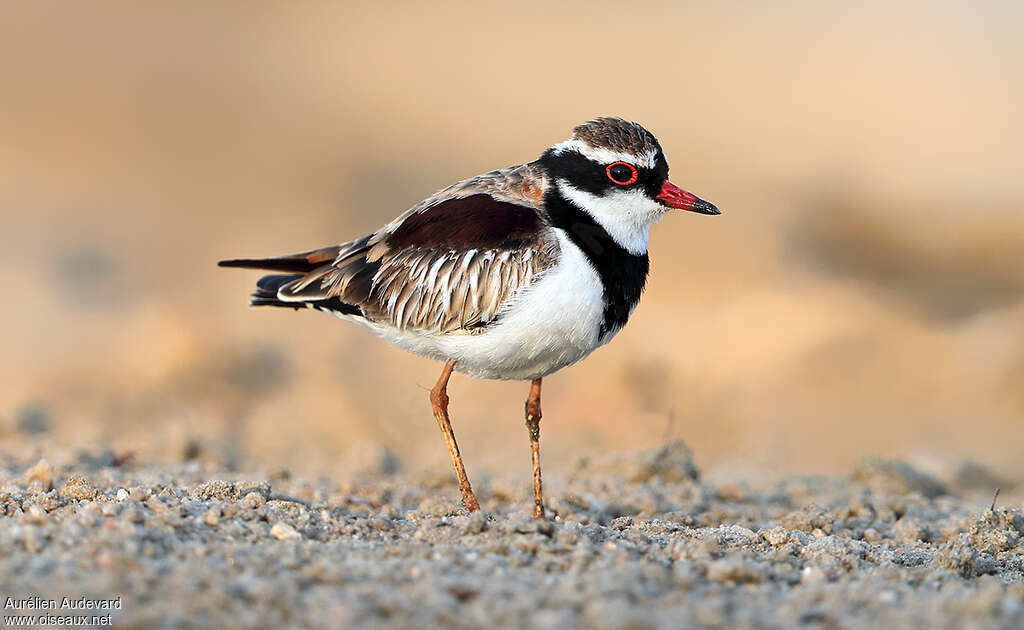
{"x":618,"y":135}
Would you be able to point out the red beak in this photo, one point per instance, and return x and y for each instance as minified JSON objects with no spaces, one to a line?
{"x":675,"y":197}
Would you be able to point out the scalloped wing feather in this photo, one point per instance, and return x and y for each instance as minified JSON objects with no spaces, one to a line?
{"x":450,"y":263}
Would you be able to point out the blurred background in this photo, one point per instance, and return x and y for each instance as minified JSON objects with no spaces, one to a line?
{"x":860,"y":295}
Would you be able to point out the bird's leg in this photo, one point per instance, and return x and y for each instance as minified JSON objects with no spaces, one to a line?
{"x":439,"y":401}
{"x":533,"y":426}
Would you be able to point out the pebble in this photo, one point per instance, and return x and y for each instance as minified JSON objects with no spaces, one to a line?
{"x":380,"y":524}
{"x":776,"y":536}
{"x":79,"y":489}
{"x":253,"y":500}
{"x":211,"y":517}
{"x":41,"y":472}
{"x":122,"y":494}
{"x":283,"y":531}
{"x":35,"y":515}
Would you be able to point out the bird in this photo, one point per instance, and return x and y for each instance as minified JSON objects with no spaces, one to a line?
{"x":509,"y":275}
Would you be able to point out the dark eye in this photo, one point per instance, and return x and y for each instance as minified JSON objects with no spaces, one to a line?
{"x":621,"y":173}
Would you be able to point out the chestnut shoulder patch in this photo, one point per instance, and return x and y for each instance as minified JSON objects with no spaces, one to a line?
{"x":475,"y":222}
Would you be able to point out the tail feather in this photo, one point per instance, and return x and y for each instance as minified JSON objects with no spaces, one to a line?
{"x":296,"y":263}
{"x":272,"y":283}
{"x":266,"y":291}
{"x":268,"y":286}
{"x":297,"y":266}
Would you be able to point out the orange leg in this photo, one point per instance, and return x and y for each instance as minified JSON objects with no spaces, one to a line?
{"x":533,"y":426}
{"x":439,"y":401}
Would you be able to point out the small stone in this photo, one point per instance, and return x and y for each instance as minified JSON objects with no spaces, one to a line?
{"x":284,"y":531}
{"x":809,"y":518}
{"x":50,"y":501}
{"x":42,"y":472}
{"x":379,"y":524}
{"x":957,"y":555}
{"x":622,"y":522}
{"x":247,"y":488}
{"x":35,"y":515}
{"x":122,"y":494}
{"x":216,"y":490}
{"x":253,"y":500}
{"x":211,"y":517}
{"x":138,"y":494}
{"x":79,"y":489}
{"x":871,"y":535}
{"x":776,"y":536}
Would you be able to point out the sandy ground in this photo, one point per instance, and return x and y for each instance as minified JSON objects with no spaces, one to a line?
{"x":638,"y":540}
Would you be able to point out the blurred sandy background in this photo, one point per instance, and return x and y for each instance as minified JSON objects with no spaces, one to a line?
{"x":860,"y":295}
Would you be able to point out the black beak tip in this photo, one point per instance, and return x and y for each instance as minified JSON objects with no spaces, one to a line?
{"x":706,"y":207}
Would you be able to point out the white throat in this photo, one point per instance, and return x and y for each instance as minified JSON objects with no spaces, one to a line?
{"x":626,"y":215}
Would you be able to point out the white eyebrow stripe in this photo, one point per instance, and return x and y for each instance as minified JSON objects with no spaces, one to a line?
{"x":603,"y":156}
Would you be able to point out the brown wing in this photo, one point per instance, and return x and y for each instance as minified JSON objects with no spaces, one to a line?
{"x":449,"y":263}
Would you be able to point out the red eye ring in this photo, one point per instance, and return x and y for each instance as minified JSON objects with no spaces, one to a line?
{"x":632,"y":169}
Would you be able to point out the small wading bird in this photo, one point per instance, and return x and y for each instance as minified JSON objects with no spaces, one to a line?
{"x":509,"y":275}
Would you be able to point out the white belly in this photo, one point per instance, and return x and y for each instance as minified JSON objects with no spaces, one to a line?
{"x":553,"y":323}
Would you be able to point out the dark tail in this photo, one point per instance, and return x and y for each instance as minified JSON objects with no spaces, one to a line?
{"x":266,"y":290}
{"x":268,"y":286}
{"x":297,"y":266}
{"x":296,"y":263}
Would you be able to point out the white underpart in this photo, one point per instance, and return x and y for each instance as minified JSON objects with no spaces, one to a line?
{"x":626,"y":215}
{"x":552,"y":323}
{"x":605,"y":156}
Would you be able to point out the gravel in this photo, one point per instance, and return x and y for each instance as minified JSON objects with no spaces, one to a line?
{"x":639,"y":541}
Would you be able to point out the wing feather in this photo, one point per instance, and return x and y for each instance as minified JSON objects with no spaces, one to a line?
{"x":450,"y":263}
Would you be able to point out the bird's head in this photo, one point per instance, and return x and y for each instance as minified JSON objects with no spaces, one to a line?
{"x":615,"y":170}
